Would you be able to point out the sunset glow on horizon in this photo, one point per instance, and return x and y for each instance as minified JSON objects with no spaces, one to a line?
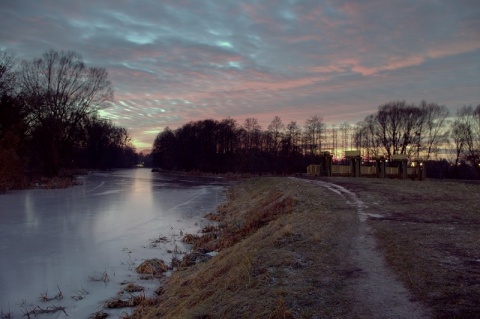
{"x":171,"y":62}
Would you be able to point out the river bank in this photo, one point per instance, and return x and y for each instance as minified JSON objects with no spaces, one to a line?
{"x":291,"y":248}
{"x":74,"y":249}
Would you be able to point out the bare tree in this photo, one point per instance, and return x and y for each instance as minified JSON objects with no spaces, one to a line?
{"x":59,"y":93}
{"x":314,"y":130}
{"x":273,"y":141}
{"x":459,"y":134}
{"x":412,"y":120}
{"x":399,"y":127}
{"x":276,"y":130}
{"x":290,"y":146}
{"x":364,"y":139}
{"x":388,"y":119}
{"x":7,"y":74}
{"x":226,"y":135}
{"x":294,"y":133}
{"x":59,"y":85}
{"x":12,"y":126}
{"x":334,"y":141}
{"x":345,"y":134}
{"x":252,"y":133}
{"x":371,"y":136}
{"x":434,"y":132}
{"x":470,"y":118}
{"x":11,"y":112}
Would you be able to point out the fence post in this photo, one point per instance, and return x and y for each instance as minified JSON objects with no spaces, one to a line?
{"x":380,"y":166}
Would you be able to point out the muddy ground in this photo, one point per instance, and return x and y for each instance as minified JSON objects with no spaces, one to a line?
{"x":333,"y":248}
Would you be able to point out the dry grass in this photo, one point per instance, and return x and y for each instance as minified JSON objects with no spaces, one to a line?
{"x":152,"y":267}
{"x":284,"y":250}
{"x":430,"y":233}
{"x":132,"y":287}
{"x":5,"y":315}
{"x":100,"y":277}
{"x":99,"y":315}
{"x":283,"y":253}
{"x":132,"y":301}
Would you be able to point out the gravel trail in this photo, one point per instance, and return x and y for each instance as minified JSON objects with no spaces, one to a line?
{"x":376,"y":291}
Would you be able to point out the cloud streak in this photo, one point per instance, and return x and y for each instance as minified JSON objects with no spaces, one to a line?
{"x":175,"y":61}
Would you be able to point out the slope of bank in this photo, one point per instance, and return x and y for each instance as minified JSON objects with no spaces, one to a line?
{"x":289,"y":248}
{"x":283,"y":253}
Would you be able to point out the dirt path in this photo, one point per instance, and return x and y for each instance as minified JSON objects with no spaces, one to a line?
{"x":376,"y":292}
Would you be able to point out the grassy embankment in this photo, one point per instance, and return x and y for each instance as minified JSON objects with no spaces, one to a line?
{"x":285,"y":250}
{"x":283,"y":254}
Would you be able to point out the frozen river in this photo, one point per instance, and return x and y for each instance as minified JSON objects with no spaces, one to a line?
{"x":51,"y":239}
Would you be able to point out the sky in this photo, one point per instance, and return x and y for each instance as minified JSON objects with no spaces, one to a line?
{"x":175,"y":61}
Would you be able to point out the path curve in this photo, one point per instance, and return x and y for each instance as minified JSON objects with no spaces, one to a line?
{"x":376,"y":292}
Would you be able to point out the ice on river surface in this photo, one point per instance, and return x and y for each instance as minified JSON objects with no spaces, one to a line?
{"x":51,"y":238}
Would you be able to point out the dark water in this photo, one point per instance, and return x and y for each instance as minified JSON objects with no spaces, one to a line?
{"x":51,"y":238}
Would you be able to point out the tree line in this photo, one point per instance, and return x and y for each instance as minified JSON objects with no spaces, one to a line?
{"x":225,"y":146}
{"x":426,"y":130}
{"x":49,"y":118}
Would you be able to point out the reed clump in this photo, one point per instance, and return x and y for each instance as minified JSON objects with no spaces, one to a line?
{"x":153,"y":267}
{"x":132,"y":301}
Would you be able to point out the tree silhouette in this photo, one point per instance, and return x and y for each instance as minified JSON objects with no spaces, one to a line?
{"x":59,"y":93}
{"x":48,"y":118}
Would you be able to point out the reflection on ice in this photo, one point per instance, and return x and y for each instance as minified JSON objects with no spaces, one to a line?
{"x":51,"y":238}
{"x":113,"y":191}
